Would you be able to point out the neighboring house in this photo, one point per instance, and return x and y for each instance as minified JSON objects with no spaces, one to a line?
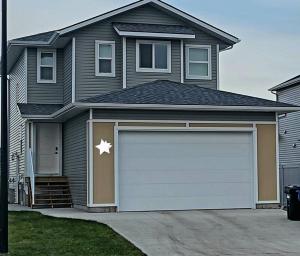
{"x":127,"y":107}
{"x":289,"y":131}
{"x":289,"y":124}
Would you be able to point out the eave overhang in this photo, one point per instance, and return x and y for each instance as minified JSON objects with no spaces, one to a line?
{"x":80,"y":106}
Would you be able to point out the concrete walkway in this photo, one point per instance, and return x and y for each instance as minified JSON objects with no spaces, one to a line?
{"x":207,"y":233}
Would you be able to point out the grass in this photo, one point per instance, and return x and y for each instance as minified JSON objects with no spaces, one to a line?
{"x":31,"y":234}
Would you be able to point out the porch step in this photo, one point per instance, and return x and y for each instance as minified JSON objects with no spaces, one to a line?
{"x":52,"y":205}
{"x":51,"y":179}
{"x":52,"y":192}
{"x":58,"y":195}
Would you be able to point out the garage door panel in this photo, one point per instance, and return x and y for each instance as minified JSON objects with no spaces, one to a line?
{"x":150,"y":175}
{"x":163,"y":163}
{"x":184,"y":190}
{"x":189,"y":150}
{"x":188,"y":137}
{"x":185,"y":170}
{"x":221,"y":202}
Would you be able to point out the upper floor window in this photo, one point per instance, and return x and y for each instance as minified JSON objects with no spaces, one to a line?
{"x":198,"y":61}
{"x":46,"y":66}
{"x":153,"y":56}
{"x":105,"y":58}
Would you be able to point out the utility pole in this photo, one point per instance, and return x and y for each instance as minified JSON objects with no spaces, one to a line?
{"x":4,"y":134}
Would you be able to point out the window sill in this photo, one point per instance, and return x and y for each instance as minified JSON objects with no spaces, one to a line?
{"x":146,"y":70}
{"x":46,"y":82}
{"x":198,"y":78}
{"x":105,"y":75}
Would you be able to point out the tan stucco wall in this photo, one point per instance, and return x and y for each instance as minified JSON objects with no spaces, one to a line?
{"x":104,"y":183}
{"x":104,"y":164}
{"x":266,"y":162}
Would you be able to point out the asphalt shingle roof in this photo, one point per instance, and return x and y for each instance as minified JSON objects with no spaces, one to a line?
{"x":41,"y":37}
{"x":38,"y":109}
{"x":172,"y":93}
{"x":154,"y":28}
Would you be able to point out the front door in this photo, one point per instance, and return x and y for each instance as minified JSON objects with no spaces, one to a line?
{"x":48,"y":148}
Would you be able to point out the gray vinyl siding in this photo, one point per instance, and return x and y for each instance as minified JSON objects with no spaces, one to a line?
{"x":203,"y":39}
{"x":136,"y":78}
{"x":68,"y":74}
{"x":182,"y":115}
{"x":45,"y":93}
{"x":16,"y":140}
{"x":75,"y":157}
{"x":88,"y":85}
{"x":289,"y":155}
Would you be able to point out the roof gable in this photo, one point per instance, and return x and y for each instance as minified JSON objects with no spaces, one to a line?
{"x":48,"y":38}
{"x":162,"y":5}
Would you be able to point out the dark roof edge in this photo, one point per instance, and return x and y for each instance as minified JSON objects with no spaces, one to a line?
{"x":81,"y":105}
{"x":291,"y":82}
{"x":35,"y":43}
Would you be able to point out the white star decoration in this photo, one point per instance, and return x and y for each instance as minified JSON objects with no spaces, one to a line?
{"x":104,"y":146}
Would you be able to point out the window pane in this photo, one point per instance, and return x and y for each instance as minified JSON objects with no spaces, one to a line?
{"x":145,"y":55}
{"x":105,"y":51}
{"x":46,"y":73}
{"x":197,"y":54}
{"x":161,"y":56}
{"x":105,"y":66}
{"x":198,"y":69}
{"x":46,"y":58}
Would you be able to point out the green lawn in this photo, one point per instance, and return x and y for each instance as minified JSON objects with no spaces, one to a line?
{"x":31,"y":234}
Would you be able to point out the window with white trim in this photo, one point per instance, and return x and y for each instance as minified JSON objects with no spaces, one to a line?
{"x":153,"y":56}
{"x":46,"y":66}
{"x":198,"y":62}
{"x":105,"y":58}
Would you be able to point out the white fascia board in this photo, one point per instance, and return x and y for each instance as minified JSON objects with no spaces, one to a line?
{"x":143,"y":2}
{"x":103,"y":16}
{"x":157,"y":35}
{"x":186,"y":107}
{"x":285,"y":84}
{"x":197,"y":21}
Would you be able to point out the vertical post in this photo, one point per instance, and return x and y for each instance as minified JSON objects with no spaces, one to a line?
{"x":124,"y":62}
{"x":4,"y":147}
{"x":181,"y":62}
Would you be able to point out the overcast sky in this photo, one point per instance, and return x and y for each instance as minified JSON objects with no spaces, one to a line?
{"x":269,"y":29}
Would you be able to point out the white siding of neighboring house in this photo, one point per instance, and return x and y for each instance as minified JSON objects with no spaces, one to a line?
{"x":17,"y":94}
{"x":289,"y":155}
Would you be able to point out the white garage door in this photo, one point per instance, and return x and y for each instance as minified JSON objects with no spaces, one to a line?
{"x":185,"y":170}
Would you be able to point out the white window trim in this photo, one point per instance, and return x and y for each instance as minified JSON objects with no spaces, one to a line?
{"x":39,"y":65}
{"x":153,"y":69}
{"x":187,"y":58}
{"x":113,"y":58}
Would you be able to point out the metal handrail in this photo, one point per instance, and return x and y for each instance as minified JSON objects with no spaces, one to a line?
{"x":31,"y":174}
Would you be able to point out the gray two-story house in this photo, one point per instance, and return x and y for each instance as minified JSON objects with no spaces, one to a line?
{"x":289,"y":132}
{"x":123,"y":112}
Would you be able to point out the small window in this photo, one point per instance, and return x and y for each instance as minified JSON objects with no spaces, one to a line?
{"x":105,"y":58}
{"x":198,"y":62}
{"x":46,"y":66}
{"x":153,"y":56}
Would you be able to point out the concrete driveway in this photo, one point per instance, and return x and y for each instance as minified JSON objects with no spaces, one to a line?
{"x":211,"y":232}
